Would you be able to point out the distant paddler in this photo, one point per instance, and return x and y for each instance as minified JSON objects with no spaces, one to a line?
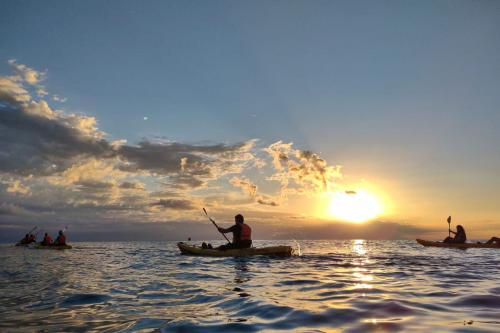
{"x":460,"y":236}
{"x":28,"y":238}
{"x":494,"y":240}
{"x":47,"y":240}
{"x":60,"y":240}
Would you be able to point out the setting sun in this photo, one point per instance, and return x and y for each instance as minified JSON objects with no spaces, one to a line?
{"x":354,"y":206}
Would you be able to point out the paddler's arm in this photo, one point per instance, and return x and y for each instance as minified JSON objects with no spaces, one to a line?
{"x":225,"y":231}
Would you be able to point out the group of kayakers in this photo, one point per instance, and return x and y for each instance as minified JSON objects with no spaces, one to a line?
{"x":242,"y":236}
{"x":47,"y":240}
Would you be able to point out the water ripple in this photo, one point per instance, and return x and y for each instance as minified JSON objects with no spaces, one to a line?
{"x":349,"y":286}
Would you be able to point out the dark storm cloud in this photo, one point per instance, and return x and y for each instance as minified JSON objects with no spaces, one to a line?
{"x":167,"y":157}
{"x":32,"y":144}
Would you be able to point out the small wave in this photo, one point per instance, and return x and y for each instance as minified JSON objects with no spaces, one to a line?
{"x":84,"y":299}
{"x":264,"y":311}
{"x":387,"y":308}
{"x":492,"y":301}
{"x":186,"y":326}
{"x":298,"y":282}
{"x":376,"y":327}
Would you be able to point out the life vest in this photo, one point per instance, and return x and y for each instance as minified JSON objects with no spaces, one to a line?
{"x":246,"y":232}
{"x":47,"y":240}
{"x":61,"y":240}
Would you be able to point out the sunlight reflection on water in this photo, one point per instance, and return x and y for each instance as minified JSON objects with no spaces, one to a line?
{"x":348,"y":286}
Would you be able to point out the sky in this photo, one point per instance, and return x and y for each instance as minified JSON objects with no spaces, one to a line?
{"x":122,"y":119}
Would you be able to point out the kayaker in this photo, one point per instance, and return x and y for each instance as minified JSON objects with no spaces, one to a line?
{"x":242,"y":234}
{"x":31,"y":239}
{"x":47,"y":240}
{"x":494,"y":240}
{"x":61,"y":239}
{"x":460,"y":236}
{"x":25,"y":240}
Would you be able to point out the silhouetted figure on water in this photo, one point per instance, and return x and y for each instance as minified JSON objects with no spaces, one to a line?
{"x":28,"y":238}
{"x":242,"y":234}
{"x":494,"y":240}
{"x":61,"y":239}
{"x":460,"y":236}
{"x":47,"y":240}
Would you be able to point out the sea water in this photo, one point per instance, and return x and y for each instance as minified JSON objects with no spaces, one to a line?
{"x":333,"y":286}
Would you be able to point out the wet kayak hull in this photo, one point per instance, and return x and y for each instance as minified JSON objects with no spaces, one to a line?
{"x":282,"y":251}
{"x":52,"y":247}
{"x":458,"y":245}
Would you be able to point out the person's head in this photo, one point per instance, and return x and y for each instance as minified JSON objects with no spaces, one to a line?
{"x":60,"y":232}
{"x":239,"y":219}
{"x":460,"y":228}
{"x":46,"y":234}
{"x":27,"y":235}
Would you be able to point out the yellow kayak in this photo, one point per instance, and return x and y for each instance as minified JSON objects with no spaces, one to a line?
{"x":52,"y":247}
{"x":282,"y":251}
{"x":458,"y":245}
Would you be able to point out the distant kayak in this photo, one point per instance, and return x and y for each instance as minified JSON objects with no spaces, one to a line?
{"x":458,"y":245}
{"x":283,"y":251}
{"x":23,"y":244}
{"x":52,"y":247}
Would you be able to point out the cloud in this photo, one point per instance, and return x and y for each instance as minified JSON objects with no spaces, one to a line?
{"x":301,"y":171}
{"x":16,"y":187}
{"x":246,"y":185}
{"x":178,"y":204}
{"x":12,"y":209}
{"x":266,"y":200}
{"x":12,"y":91}
{"x":41,"y":92}
{"x":26,"y":73}
{"x":132,"y":186}
{"x":174,"y":157}
{"x":35,"y":143}
{"x":57,"y":98}
{"x":251,"y":189}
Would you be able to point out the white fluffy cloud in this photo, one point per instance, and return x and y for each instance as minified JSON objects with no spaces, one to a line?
{"x":27,"y":74}
{"x":301,"y":171}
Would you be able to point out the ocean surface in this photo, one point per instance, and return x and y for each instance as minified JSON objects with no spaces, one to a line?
{"x":332,"y":286}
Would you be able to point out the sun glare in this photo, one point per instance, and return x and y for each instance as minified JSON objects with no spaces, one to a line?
{"x":354,"y":206}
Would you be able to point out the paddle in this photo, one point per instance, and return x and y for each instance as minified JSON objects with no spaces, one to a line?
{"x":449,"y":228}
{"x":215,"y":224}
